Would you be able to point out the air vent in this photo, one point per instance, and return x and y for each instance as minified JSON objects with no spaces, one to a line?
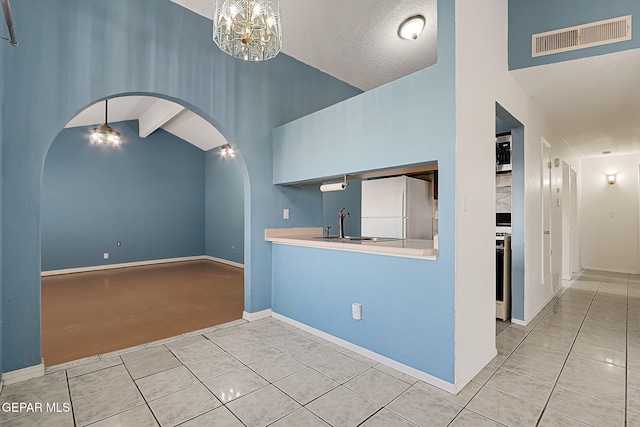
{"x":581,"y":36}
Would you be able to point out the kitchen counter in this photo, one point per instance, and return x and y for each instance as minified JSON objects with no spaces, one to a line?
{"x":311,"y":237}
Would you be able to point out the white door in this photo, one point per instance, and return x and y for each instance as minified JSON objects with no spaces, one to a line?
{"x":546,"y":213}
{"x":384,"y":227}
{"x":566,"y":221}
{"x":575,"y":267}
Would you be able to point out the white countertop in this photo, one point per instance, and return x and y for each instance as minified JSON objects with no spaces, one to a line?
{"x":408,"y":248}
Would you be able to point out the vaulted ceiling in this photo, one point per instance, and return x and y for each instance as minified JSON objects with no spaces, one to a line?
{"x":594,"y":102}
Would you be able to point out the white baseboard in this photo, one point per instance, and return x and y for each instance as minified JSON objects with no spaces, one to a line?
{"x":538,"y":310}
{"x":138,"y":264}
{"x":23,"y":374}
{"x":224,"y":261}
{"x":122,"y":265}
{"x":610,"y":270}
{"x":437,"y":382}
{"x":251,"y":317}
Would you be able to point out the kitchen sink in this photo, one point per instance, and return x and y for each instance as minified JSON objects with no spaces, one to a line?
{"x":357,"y":239}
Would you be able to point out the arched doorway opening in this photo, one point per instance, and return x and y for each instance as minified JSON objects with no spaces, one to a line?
{"x":160,"y":207}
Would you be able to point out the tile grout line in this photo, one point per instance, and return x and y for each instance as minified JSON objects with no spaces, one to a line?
{"x":555,"y":384}
{"x":626,"y":354}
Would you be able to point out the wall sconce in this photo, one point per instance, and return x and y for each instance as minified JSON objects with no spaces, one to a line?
{"x":611,"y":179}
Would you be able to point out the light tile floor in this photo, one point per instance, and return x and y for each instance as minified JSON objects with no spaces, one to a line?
{"x":576,"y":364}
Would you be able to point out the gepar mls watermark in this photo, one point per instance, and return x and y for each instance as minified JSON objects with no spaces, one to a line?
{"x":33,"y":407}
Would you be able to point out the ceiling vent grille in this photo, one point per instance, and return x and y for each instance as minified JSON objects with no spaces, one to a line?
{"x":581,"y":36}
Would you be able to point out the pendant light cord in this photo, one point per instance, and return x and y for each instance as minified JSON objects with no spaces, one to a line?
{"x":106,"y":108}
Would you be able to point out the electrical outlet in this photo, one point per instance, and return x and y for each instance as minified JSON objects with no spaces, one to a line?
{"x":356,"y":311}
{"x":285,"y":214}
{"x":106,"y":255}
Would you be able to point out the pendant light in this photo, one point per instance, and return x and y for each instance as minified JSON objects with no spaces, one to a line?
{"x":105,"y":134}
{"x":227,"y":152}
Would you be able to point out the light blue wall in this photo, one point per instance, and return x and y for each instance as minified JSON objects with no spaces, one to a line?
{"x":528,"y":17}
{"x":410,"y":303}
{"x":407,"y":304}
{"x":1,"y":175}
{"x":224,"y":208}
{"x":350,"y":198}
{"x":501,"y":126}
{"x":147,"y":194}
{"x":74,"y":53}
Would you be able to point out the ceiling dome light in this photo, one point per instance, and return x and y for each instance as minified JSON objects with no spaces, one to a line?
{"x":248,"y":29}
{"x":411,"y":28}
{"x":105,"y":134}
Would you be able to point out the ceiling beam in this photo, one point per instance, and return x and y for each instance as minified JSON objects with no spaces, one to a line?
{"x":157,"y":115}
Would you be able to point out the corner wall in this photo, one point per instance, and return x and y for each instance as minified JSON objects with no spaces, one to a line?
{"x":482,"y":79}
{"x":224,"y":208}
{"x":609,"y":219}
{"x":147,"y":193}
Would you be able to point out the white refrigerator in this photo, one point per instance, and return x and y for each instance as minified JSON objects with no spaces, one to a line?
{"x":399,"y":207}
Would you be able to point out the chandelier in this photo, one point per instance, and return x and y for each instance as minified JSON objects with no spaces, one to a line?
{"x":105,"y":134}
{"x":248,"y":29}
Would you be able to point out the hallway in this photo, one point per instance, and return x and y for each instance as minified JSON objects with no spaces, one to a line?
{"x":576,"y":364}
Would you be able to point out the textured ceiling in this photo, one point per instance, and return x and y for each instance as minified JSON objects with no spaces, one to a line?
{"x":594,"y":102}
{"x":355,"y":41}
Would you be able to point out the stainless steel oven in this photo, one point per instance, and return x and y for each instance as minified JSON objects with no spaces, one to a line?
{"x":503,"y":276}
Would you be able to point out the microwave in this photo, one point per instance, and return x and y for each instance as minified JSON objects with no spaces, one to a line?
{"x":503,"y":153}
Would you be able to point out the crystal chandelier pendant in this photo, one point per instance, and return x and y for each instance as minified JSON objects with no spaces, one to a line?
{"x":248,"y":29}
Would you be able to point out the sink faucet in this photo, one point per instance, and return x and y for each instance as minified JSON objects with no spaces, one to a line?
{"x":344,"y":213}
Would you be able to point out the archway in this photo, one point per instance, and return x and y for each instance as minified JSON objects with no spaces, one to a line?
{"x":150,"y":201}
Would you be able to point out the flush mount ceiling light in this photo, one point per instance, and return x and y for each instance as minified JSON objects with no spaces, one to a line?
{"x":105,"y":134}
{"x":411,"y":28}
{"x":227,"y":152}
{"x":248,"y":29}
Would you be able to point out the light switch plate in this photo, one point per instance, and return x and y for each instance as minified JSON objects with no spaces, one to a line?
{"x":285,"y":214}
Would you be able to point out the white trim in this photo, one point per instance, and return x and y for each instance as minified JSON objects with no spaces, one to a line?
{"x":539,"y":310}
{"x":609,"y":270}
{"x":251,"y":317}
{"x":123,"y":265}
{"x":23,"y":374}
{"x":138,"y":264}
{"x":224,"y":261}
{"x":444,"y":385}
